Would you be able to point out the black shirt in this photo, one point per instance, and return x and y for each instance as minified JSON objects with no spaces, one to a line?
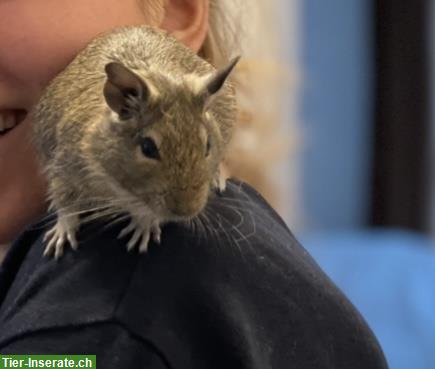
{"x":239,"y":292}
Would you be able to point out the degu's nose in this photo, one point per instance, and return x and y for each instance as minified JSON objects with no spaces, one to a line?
{"x":186,"y":203}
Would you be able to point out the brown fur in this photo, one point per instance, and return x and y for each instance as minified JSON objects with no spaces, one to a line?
{"x":89,"y":155}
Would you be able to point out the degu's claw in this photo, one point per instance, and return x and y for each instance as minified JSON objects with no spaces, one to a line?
{"x":48,"y":251}
{"x":133,"y":240}
{"x":49,"y":234}
{"x":143,"y":247}
{"x":142,"y":233}
{"x":58,"y":252}
{"x":219,"y":185}
{"x":157,"y":238}
{"x":157,"y":232}
{"x":72,"y":240}
{"x":56,"y":238}
{"x":127,"y":230}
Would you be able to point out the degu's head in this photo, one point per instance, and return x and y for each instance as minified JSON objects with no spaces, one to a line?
{"x":167,"y":141}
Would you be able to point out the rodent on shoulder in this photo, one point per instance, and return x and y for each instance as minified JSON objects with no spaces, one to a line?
{"x":137,"y":123}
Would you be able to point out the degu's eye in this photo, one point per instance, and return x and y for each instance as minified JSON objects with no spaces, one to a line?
{"x":207,"y":147}
{"x":149,"y":148}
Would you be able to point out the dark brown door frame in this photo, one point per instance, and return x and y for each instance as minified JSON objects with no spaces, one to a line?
{"x":402,"y":114}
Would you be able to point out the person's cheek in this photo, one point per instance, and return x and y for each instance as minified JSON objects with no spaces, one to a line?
{"x":35,"y":50}
{"x":43,"y":36}
{"x":35,"y":67}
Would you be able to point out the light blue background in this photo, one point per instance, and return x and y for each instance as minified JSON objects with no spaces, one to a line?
{"x":336,"y":112}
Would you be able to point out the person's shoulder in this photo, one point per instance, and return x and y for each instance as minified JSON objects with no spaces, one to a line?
{"x":40,"y":293}
{"x":236,"y":280}
{"x":233,"y":286}
{"x":96,"y":282}
{"x":102,"y":282}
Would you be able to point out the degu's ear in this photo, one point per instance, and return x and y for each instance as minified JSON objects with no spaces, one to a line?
{"x":214,"y":83}
{"x":124,"y":90}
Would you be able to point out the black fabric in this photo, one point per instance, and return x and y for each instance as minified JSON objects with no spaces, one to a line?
{"x":239,"y":292}
{"x":117,"y":347}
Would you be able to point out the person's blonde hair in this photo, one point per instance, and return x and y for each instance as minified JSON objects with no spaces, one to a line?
{"x":250,"y":28}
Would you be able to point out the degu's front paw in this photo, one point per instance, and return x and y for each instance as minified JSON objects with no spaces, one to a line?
{"x":57,"y":238}
{"x":141,"y":234}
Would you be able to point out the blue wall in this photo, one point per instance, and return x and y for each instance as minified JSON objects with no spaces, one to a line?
{"x":337,"y":110}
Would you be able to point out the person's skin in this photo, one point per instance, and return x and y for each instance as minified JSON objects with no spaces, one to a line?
{"x":38,"y":38}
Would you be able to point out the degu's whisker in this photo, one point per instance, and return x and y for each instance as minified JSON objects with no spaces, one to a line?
{"x":118,"y":218}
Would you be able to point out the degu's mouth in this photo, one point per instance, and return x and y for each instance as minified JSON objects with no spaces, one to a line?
{"x":10,"y":118}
